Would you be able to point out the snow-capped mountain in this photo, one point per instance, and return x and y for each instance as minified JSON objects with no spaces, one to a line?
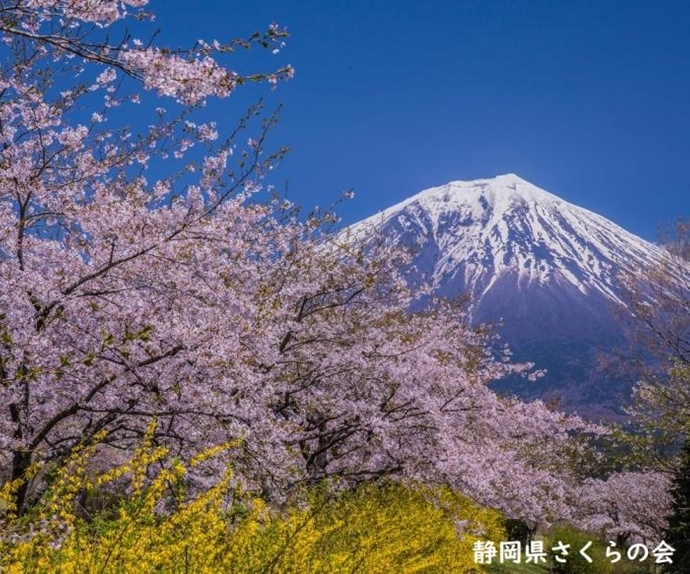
{"x":544,"y":267}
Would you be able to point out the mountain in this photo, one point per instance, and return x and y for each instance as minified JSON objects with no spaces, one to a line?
{"x":545,"y":268}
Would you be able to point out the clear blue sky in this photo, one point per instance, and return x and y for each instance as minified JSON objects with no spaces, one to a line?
{"x":589,"y":99}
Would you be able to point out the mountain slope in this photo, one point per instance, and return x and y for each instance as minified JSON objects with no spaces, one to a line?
{"x":544,"y":267}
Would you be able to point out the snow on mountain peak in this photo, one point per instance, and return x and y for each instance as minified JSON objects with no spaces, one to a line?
{"x":475,"y":233}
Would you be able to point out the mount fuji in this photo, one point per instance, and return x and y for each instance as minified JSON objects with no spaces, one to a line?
{"x":546,"y":271}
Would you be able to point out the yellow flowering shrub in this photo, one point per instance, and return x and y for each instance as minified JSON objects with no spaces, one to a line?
{"x":386,"y":527}
{"x":396,"y":528}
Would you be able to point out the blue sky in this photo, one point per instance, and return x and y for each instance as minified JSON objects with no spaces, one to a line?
{"x":589,"y":99}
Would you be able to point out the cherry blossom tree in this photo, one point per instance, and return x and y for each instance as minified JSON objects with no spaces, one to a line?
{"x":639,"y":504}
{"x":372,"y":388}
{"x":662,"y":398}
{"x":626,"y":506}
{"x":112,"y":283}
{"x":660,"y":301}
{"x":143,"y":277}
